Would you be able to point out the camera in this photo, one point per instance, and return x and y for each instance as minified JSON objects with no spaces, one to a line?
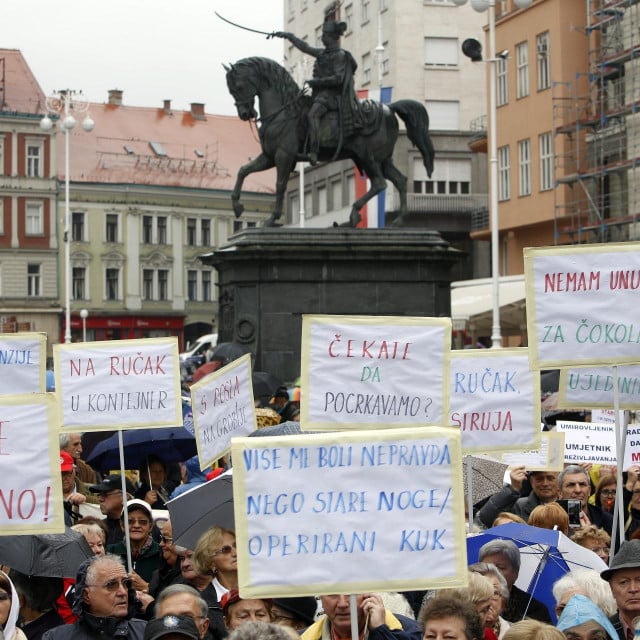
{"x":573,"y":509}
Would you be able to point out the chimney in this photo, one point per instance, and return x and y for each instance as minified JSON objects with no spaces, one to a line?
{"x":197,"y":110}
{"x":115,"y":97}
{"x":166,"y":107}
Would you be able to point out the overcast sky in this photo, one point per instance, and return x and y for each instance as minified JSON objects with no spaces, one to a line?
{"x":151,"y":49}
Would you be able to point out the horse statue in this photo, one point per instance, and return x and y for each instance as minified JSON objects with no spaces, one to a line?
{"x":283,"y":111}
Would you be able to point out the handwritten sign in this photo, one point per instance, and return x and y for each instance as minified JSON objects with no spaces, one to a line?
{"x":495,"y":400}
{"x":581,"y":305}
{"x":30,"y":483}
{"x":632,"y":447}
{"x":594,"y":387}
{"x":22,"y":363}
{"x":588,"y":442}
{"x":549,"y":457}
{"x":223,"y":408}
{"x":376,"y":372}
{"x":118,"y":384}
{"x":340,"y":512}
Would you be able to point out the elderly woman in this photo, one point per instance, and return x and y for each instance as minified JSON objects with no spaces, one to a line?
{"x":584,"y":620}
{"x":215,"y":554}
{"x":586,"y":582}
{"x":9,"y":609}
{"x":594,"y":538}
{"x":500,"y":596}
{"x":446,"y":617}
{"x":479,"y":592}
{"x":533,"y":630}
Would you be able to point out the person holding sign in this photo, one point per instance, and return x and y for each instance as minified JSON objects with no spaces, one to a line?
{"x":374,"y":620}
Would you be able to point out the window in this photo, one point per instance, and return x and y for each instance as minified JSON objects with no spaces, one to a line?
{"x":163,"y":284}
{"x":34,"y":152}
{"x":205,"y":228}
{"x":192,"y":285}
{"x":79,"y":283}
{"x":336,"y":195}
{"x":348,"y":17}
{"x":77,"y":226}
{"x":147,"y":284}
{"x":322,"y":200}
{"x":34,"y":219}
{"x":1,"y":157}
{"x":147,"y":229}
{"x":111,"y":230}
{"x":441,"y":52}
{"x":206,"y":286}
{"x":33,"y":280}
{"x":366,"y":68}
{"x":162,"y":229}
{"x":365,"y":11}
{"x":112,"y":284}
{"x":522,"y":64}
{"x":504,"y":173}
{"x":502,"y":81}
{"x":444,"y":114}
{"x":450,"y":177}
{"x":191,"y":232}
{"x":524,"y":167}
{"x":383,"y":5}
{"x":546,"y":162}
{"x":544,"y":68}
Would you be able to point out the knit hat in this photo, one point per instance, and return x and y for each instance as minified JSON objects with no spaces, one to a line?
{"x":303,"y":608}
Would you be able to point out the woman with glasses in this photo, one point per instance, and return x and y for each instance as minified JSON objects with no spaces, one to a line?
{"x":595,"y":539}
{"x":215,"y":553}
{"x":605,"y":494}
{"x":9,"y":609}
{"x":169,"y":570}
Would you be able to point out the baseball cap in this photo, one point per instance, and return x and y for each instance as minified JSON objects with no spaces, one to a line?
{"x":111,"y":483}
{"x":66,"y":462}
{"x":170,"y":624}
{"x":136,"y":503}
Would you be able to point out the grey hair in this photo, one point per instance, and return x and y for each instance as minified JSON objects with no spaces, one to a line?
{"x":90,"y":527}
{"x":589,"y":583}
{"x":260,"y":631}
{"x":64,"y":440}
{"x":506,"y":548}
{"x":571,"y":469}
{"x":488,"y":569}
{"x":96,"y":561}
{"x":174,"y":589}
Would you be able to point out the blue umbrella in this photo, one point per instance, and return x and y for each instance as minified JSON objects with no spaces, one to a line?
{"x":171,"y":444}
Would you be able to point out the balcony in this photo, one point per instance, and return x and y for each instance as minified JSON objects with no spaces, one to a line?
{"x":438,"y":204}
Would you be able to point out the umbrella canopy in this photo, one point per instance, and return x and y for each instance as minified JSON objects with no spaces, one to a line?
{"x":56,"y":555}
{"x":487,"y":477}
{"x":207,"y":505}
{"x":546,"y":555}
{"x":264,"y":384}
{"x":227,"y":352}
{"x":170,"y":444}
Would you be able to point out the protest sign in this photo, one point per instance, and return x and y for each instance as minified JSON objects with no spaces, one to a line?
{"x":549,"y":457}
{"x":495,"y":400}
{"x":632,"y":447}
{"x":30,"y":483}
{"x":606,"y":415}
{"x":581,"y":305}
{"x":375,"y":372}
{"x":22,"y":363}
{"x":223,"y":408}
{"x":118,"y":384}
{"x":340,"y":512}
{"x":588,"y":442}
{"x":594,"y":386}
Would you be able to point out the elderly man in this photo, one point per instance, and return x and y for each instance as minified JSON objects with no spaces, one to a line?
{"x":238,"y":611}
{"x":623,"y":576}
{"x":506,"y":556}
{"x":103,"y":602}
{"x":171,"y":627}
{"x":109,"y":493}
{"x":72,"y":444}
{"x":374,"y":621}
{"x":183,"y":600}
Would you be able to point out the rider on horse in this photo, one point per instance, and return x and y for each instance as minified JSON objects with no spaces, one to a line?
{"x":332,"y":85}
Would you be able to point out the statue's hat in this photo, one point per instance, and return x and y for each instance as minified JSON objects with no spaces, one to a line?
{"x":334,"y":27}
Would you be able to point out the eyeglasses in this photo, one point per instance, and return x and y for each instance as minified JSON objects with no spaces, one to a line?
{"x":140,"y":521}
{"x":601,"y":550}
{"x":227,"y":549}
{"x":4,"y":596}
{"x":114,"y":584}
{"x":165,"y":539}
{"x":608,"y":492}
{"x":105,"y":494}
{"x":636,"y":492}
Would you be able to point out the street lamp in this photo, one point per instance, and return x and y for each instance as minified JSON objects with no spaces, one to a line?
{"x":84,"y":314}
{"x":64,"y":103}
{"x":472,"y":49}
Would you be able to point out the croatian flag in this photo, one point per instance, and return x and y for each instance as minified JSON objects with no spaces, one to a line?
{"x":373,"y":214}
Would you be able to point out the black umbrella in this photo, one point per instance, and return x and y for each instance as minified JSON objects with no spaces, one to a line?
{"x":265,"y":384}
{"x":228,"y":352}
{"x":207,"y":505}
{"x":56,"y":555}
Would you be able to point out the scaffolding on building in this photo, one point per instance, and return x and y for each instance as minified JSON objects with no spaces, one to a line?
{"x":596,"y":125}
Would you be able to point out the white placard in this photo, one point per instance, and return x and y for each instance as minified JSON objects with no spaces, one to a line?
{"x":549,"y":457}
{"x":588,"y":442}
{"x":223,"y":408}
{"x":375,"y":372}
{"x":118,"y":384}
{"x":594,"y":386}
{"x":582,"y":305}
{"x":30,"y":482}
{"x":22,"y":363}
{"x":606,"y":415}
{"x":340,"y":512}
{"x":495,"y":400}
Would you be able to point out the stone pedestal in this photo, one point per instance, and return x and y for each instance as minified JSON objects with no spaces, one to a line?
{"x":268,"y":278}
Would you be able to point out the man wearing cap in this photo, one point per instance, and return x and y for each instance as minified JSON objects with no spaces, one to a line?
{"x":145,"y":551}
{"x":544,"y":489}
{"x":74,"y":492}
{"x":183,"y":600}
{"x":109,"y":493}
{"x":623,"y":576}
{"x":297,"y":613}
{"x":237,"y":611}
{"x":171,"y":627}
{"x":104,"y":602}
